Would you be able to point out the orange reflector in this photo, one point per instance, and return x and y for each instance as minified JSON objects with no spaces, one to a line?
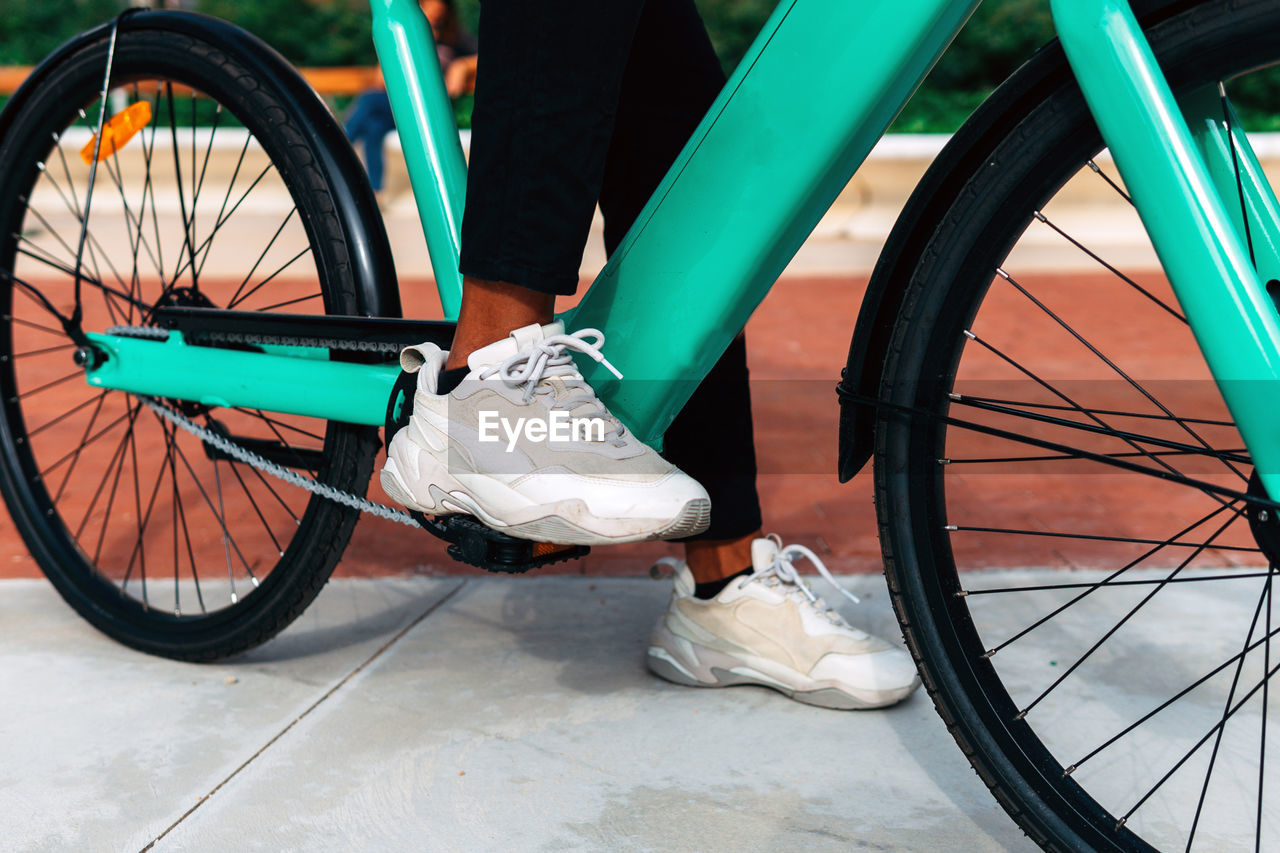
{"x":542,"y":549}
{"x":118,"y":131}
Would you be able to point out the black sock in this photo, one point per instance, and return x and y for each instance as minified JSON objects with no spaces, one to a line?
{"x":711,"y":589}
{"x":450,"y":379}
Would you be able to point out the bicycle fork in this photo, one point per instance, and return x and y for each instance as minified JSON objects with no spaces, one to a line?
{"x":1204,"y":201}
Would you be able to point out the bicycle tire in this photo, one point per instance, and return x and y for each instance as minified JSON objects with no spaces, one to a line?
{"x":274,"y":548}
{"x":969,"y":321}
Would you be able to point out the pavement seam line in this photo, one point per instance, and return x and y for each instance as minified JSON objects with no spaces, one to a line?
{"x":316,"y":704}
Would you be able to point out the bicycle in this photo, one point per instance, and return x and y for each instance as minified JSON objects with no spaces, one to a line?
{"x":198,"y":361}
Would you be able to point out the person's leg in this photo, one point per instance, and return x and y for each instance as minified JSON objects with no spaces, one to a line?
{"x":357,"y":125}
{"x":369,"y":124}
{"x":490,"y":310}
{"x":672,"y":77}
{"x":359,"y":116}
{"x":381,"y":123}
{"x":547,"y":91}
{"x":373,"y":141}
{"x":547,"y":87}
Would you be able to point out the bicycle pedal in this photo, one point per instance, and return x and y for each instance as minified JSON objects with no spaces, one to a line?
{"x":472,"y":543}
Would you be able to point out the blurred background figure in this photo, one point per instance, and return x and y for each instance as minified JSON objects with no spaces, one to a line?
{"x":455,"y":47}
{"x":370,"y":120}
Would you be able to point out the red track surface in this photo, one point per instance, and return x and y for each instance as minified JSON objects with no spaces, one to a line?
{"x":798,"y":341}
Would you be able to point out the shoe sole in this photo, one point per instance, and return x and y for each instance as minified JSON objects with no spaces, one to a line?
{"x":541,"y":523}
{"x":713,"y":668}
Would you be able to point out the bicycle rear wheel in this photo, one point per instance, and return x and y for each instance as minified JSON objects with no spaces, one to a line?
{"x":1110,"y":682}
{"x":219,"y":200}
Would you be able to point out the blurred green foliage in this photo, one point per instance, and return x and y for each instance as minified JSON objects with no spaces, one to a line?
{"x":1001,"y":35}
{"x":29,"y":29}
{"x":335,"y":32}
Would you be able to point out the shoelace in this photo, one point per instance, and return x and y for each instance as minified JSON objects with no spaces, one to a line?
{"x":550,"y":358}
{"x":781,"y":571}
{"x":784,"y":570}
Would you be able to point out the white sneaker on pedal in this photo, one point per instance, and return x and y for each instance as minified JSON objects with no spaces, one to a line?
{"x":769,"y":628}
{"x":524,"y":444}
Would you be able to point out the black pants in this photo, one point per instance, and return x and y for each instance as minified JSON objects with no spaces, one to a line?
{"x":579,"y":101}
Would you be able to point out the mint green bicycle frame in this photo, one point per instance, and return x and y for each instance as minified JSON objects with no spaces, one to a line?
{"x":818,"y":88}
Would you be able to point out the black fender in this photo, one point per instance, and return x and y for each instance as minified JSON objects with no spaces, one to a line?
{"x":357,"y":209}
{"x":1044,"y":73}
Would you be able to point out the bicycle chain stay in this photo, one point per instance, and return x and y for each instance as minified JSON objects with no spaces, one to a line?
{"x":247,"y":456}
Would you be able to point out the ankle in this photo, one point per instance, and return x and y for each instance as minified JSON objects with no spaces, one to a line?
{"x":490,"y":311}
{"x":717,"y":559}
{"x":710,"y":589}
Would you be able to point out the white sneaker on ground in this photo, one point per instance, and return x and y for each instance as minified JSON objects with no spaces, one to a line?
{"x":769,"y":628}
{"x":524,"y":444}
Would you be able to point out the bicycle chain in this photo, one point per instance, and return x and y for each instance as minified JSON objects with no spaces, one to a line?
{"x":247,"y":456}
{"x":158,"y":333}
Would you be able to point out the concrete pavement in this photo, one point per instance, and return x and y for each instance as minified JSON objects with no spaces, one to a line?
{"x":455,"y":714}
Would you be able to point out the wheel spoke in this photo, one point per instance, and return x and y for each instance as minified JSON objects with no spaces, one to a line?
{"x":115,"y":482}
{"x":1097,"y":170}
{"x":141,"y":524}
{"x":1101,"y":427}
{"x":257,"y":509}
{"x":218,"y":221}
{"x":1262,"y":740}
{"x":25,"y":395}
{"x":235,"y":297}
{"x":1217,"y":727}
{"x":1133,"y":439}
{"x":93,"y":419}
{"x":259,"y":414}
{"x":1093,"y":588}
{"x":289,"y":302}
{"x":107,"y":291}
{"x":1126,"y":279}
{"x":1238,"y":657}
{"x":1076,"y":457}
{"x":1128,"y":540}
{"x":207,"y":246}
{"x":264,"y":282}
{"x":1129,"y":615}
{"x":71,"y":453}
{"x":188,"y":241}
{"x":218,"y":516}
{"x":1087,"y":410}
{"x":116,"y":456}
{"x":137,"y":239}
{"x":1129,"y":380}
{"x":299,"y":462}
{"x":42,"y":351}
{"x":140,"y":547}
{"x":1043,"y":587}
{"x":30,"y":325}
{"x":186,"y":535}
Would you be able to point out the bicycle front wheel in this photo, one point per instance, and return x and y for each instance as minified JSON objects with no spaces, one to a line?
{"x":1062,"y":494}
{"x":217,"y":199}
